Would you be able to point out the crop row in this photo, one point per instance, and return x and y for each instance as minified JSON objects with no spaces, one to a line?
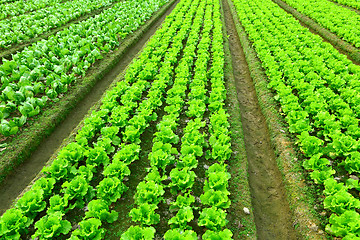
{"x":171,"y":170}
{"x":14,"y":8}
{"x":350,"y":3}
{"x":89,"y":175}
{"x":150,"y":192}
{"x":109,"y":141}
{"x":318,"y":90}
{"x":341,"y":21}
{"x":45,"y":70}
{"x":28,"y":26}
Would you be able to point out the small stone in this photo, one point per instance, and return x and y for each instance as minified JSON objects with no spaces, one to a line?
{"x":314,"y":227}
{"x":283,"y":131}
{"x":354,"y":177}
{"x":321,"y":232}
{"x":323,"y":213}
{"x":206,"y":166}
{"x":337,"y":178}
{"x":246,"y":210}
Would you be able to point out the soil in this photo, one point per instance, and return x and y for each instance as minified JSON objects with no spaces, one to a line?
{"x":272,"y":212}
{"x":21,"y":177}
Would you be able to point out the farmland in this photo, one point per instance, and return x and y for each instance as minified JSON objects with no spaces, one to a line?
{"x":179,"y":119}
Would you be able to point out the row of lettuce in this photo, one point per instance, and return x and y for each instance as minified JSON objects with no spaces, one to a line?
{"x":339,"y":20}
{"x":350,"y":3}
{"x":89,"y":174}
{"x":27,"y":26}
{"x":318,"y":90}
{"x":165,"y":155}
{"x":9,"y":8}
{"x":43,"y":72}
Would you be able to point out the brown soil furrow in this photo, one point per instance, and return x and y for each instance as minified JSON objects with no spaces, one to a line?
{"x":271,"y":210}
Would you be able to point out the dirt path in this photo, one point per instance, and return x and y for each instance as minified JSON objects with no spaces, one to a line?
{"x":271,"y":209}
{"x":18,"y":180}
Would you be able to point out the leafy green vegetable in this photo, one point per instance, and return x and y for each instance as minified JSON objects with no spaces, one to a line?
{"x":145,"y":214}
{"x":99,"y":209}
{"x":182,"y":218}
{"x":32,"y":202}
{"x":89,"y":229}
{"x":12,"y":222}
{"x":138,"y":233}
{"x":212,"y":218}
{"x":179,"y":234}
{"x":51,"y":226}
{"x":213,"y":235}
{"x":110,"y":189}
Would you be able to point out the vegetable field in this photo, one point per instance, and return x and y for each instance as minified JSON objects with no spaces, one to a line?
{"x":234,"y":120}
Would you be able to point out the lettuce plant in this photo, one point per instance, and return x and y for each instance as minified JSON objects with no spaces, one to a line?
{"x":12,"y":223}
{"x":162,"y":155}
{"x":46,"y":184}
{"x":110,"y":189}
{"x":180,"y":234}
{"x":182,"y":201}
{"x":182,"y":218}
{"x":345,"y":224}
{"x":149,"y":192}
{"x":145,"y":214}
{"x":32,"y":202}
{"x":215,"y":235}
{"x":89,"y":229}
{"x":78,"y":190}
{"x":213,"y":218}
{"x":59,"y":169}
{"x":51,"y":226}
{"x":99,"y":209}
{"x":138,"y":233}
{"x":117,"y":169}
{"x":181,"y":179}
{"x":128,"y":153}
{"x":214,"y":198}
{"x":58,"y":204}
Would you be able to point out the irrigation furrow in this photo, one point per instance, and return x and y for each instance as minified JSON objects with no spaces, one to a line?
{"x":272,"y":213}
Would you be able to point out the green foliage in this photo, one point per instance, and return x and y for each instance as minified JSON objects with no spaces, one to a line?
{"x":79,"y":190}
{"x":214,"y":235}
{"x":117,"y":169}
{"x":179,"y":234}
{"x":138,"y":233}
{"x":212,"y":218}
{"x":145,"y":214}
{"x":90,"y":229}
{"x":51,"y":226}
{"x":181,"y":180}
{"x":99,"y":209}
{"x":32,"y":202}
{"x":182,"y":218}
{"x":149,"y":192}
{"x":110,"y":189}
{"x":12,"y":223}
